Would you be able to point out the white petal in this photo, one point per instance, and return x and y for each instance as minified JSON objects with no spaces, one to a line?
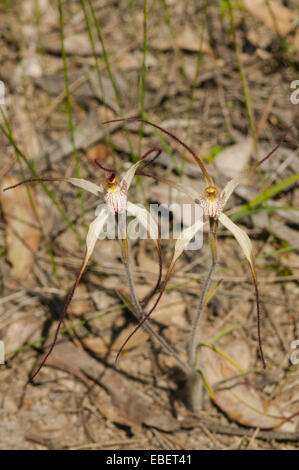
{"x":185,"y":238}
{"x":84,"y":184}
{"x":239,"y":234}
{"x":145,"y":219}
{"x":94,"y":231}
{"x":230,"y":187}
{"x":129,"y":175}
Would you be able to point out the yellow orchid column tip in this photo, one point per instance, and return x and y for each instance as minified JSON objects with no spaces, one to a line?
{"x":211,"y":203}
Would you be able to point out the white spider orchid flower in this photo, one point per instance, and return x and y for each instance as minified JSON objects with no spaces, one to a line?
{"x":213,"y":204}
{"x":115,"y":194}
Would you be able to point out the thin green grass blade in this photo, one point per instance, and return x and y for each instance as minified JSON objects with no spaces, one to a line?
{"x":70,"y":111}
{"x":40,"y":225}
{"x":97,"y":67}
{"x":242,"y":75}
{"x":206,"y":382}
{"x":211,"y":292}
{"x":244,"y":212}
{"x":110,"y":73}
{"x":194,"y":84}
{"x":32,"y":205}
{"x":3,"y":252}
{"x":225,"y":331}
{"x":292,"y":370}
{"x":221,"y":353}
{"x":173,"y":36}
{"x":10,"y":137}
{"x":142,"y":85}
{"x":235,"y":377}
{"x":265,"y":195}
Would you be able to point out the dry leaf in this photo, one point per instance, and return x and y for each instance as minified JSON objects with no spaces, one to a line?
{"x":103,"y":345}
{"x":238,"y":399}
{"x":21,"y":331}
{"x":133,"y":405}
{"x":186,"y":39}
{"x":98,"y":152}
{"x":132,"y":60}
{"x":22,"y":234}
{"x":288,"y":400}
{"x":108,"y":409}
{"x":190,"y":40}
{"x":26,"y":128}
{"x":75,"y":44}
{"x":170,"y":310}
{"x":296,"y":39}
{"x":276,"y":16}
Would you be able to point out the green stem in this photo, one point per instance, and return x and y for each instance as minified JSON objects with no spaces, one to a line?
{"x":195,"y":327}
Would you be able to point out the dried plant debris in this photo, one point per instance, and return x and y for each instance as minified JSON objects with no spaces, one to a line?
{"x":23,"y":233}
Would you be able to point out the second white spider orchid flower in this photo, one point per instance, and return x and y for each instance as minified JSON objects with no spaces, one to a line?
{"x":114,"y":193}
{"x":213,"y":203}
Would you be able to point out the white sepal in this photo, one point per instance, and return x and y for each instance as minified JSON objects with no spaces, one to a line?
{"x":230,"y":187}
{"x":84,"y":184}
{"x":144,"y":218}
{"x":94,"y":231}
{"x":239,"y":234}
{"x":185,"y":238}
{"x":129,"y":175}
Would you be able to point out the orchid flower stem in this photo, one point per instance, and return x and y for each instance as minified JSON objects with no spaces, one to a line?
{"x":196,"y":379}
{"x":140,"y":313}
{"x":194,"y":336}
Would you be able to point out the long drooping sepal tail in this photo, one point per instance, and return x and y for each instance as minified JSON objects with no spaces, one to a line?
{"x":62,"y":316}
